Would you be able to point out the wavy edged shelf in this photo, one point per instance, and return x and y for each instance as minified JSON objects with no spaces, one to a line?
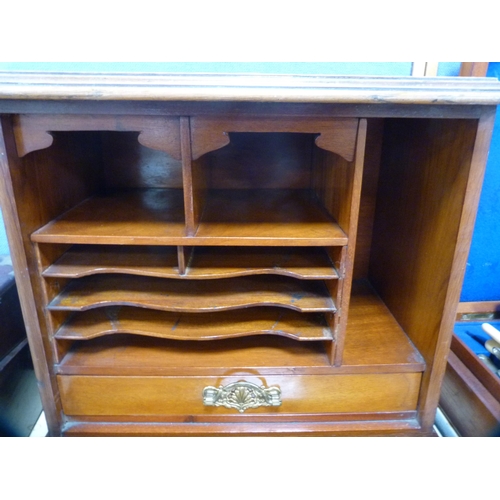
{"x":193,"y":296}
{"x":86,"y":260}
{"x":296,"y":262}
{"x":205,"y":262}
{"x":383,"y":349}
{"x":262,"y":321}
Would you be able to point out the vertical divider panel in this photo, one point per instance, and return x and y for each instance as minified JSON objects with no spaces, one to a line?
{"x":356,"y":179}
{"x":195,"y":175}
{"x":183,"y":258}
{"x":337,"y":183}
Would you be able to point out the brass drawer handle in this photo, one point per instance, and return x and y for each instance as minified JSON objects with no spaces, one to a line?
{"x":241,"y":396}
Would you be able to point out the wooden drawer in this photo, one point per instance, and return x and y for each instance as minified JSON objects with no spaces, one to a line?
{"x":308,"y":394}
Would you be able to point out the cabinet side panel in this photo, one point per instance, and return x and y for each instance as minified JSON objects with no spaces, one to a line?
{"x":422,"y":231}
{"x":18,"y":195}
{"x":37,"y":188}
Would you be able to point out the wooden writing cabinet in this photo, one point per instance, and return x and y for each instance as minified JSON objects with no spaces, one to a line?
{"x":241,"y":255}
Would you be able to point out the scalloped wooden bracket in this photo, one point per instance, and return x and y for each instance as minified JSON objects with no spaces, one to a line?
{"x":336,"y":135}
{"x":33,"y":132}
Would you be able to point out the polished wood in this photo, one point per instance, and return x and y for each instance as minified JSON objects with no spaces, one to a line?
{"x":418,"y":255}
{"x":120,"y":355}
{"x":337,"y":136}
{"x":209,"y":326}
{"x":34,"y":132}
{"x":127,"y":164}
{"x":237,"y":109}
{"x":281,"y":170}
{"x":368,"y":201}
{"x":147,"y":217}
{"x":85,"y":260}
{"x":487,"y":306}
{"x":230,"y":88}
{"x":156,"y":217}
{"x":267,"y":217}
{"x":193,"y":296}
{"x":396,"y":428}
{"x":372,"y":330}
{"x":173,"y":395}
{"x":196,"y":179}
{"x":385,"y":348}
{"x":471,"y":408}
{"x":489,"y":380}
{"x":301,"y":262}
{"x":198,"y":262}
{"x":12,"y":176}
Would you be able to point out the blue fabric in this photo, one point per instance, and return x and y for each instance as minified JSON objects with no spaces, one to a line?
{"x":482,"y":275}
{"x":473,"y":335}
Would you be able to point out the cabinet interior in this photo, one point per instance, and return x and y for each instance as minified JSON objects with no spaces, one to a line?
{"x":247,"y":250}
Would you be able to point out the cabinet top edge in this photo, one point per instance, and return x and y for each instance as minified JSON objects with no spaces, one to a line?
{"x":66,"y":86}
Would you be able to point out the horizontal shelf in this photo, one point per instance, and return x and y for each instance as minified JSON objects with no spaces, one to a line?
{"x":231,"y":217}
{"x":193,"y":296}
{"x":140,"y":217}
{"x":257,"y":321}
{"x":375,"y":343}
{"x":267,"y":217}
{"x":205,"y":262}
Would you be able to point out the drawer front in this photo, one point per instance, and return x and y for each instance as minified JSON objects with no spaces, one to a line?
{"x":308,"y":394}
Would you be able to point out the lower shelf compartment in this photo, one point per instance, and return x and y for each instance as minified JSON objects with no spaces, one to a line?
{"x":375,"y":343}
{"x":127,"y":377}
{"x":306,"y":394}
{"x":208,"y":326}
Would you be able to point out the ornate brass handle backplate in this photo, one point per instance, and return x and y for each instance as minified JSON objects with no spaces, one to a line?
{"x":241,"y":396}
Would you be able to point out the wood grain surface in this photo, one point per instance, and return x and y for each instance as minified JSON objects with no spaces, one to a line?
{"x":199,"y":263}
{"x":249,"y":189}
{"x":267,"y":217}
{"x":173,"y":396}
{"x":193,"y":296}
{"x":237,"y":88}
{"x":150,"y":216}
{"x":33,"y":132}
{"x":209,"y":326}
{"x":382,"y":349}
{"x":335,"y":135}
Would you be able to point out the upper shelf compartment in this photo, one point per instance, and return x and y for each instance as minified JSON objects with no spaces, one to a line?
{"x":271,"y":181}
{"x":103,"y":179}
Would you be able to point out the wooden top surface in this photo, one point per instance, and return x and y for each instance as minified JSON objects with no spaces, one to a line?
{"x":248,"y":87}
